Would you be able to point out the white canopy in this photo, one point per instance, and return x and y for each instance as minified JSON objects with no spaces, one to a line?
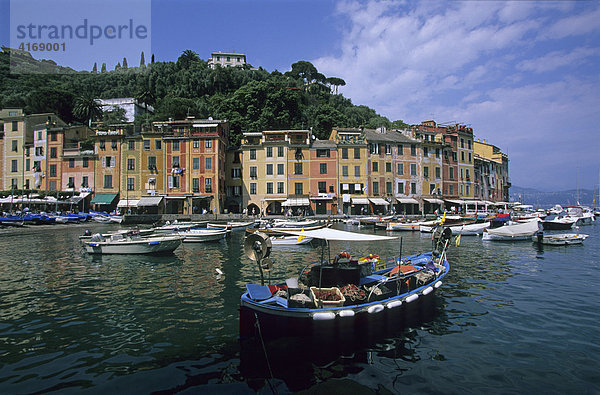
{"x":360,"y":201}
{"x":149,"y":201}
{"x":296,"y":202}
{"x":379,"y":201}
{"x":407,"y":201}
{"x":338,"y":235}
{"x":434,"y":201}
{"x":128,"y":203}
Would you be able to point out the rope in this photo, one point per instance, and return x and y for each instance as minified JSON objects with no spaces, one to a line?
{"x":257,"y":324}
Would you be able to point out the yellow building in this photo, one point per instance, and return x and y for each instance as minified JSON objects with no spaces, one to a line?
{"x":466,"y":170}
{"x":492,"y":182}
{"x":130,"y":172}
{"x":298,"y":171}
{"x":352,"y":169}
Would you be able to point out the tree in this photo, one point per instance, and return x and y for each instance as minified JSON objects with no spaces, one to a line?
{"x":103,"y":70}
{"x":57,"y":101}
{"x":87,"y":108}
{"x":303,"y":70}
{"x":145,"y":96}
{"x":114,"y":116}
{"x":95,"y":69}
{"x":399,"y":124}
{"x":335,"y":82}
{"x":187,"y":58}
{"x":152,"y":59}
{"x":142,"y":60}
{"x":125,"y":63}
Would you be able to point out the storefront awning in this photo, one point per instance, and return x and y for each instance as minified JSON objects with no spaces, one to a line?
{"x":128,"y":203}
{"x":149,"y":201}
{"x":360,"y":201}
{"x":292,"y":202}
{"x":104,"y":198}
{"x":455,"y":201}
{"x":379,"y":201}
{"x":433,"y":201}
{"x":178,"y":197}
{"x":407,"y":201}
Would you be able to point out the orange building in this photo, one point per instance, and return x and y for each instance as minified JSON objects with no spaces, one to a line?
{"x":322,"y":161}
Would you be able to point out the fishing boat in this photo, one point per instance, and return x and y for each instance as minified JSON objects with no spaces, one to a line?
{"x":276,"y":231}
{"x":471,"y":229}
{"x":203,"y":235}
{"x":341,"y":296}
{"x":131,"y":243}
{"x":290,"y":240}
{"x":176,"y":226}
{"x":406,"y":226}
{"x":282,"y":223}
{"x":87,"y":234}
{"x":560,"y":239}
{"x":12,"y":220}
{"x":559,"y":223}
{"x":513,"y":231}
{"x":229,"y":225}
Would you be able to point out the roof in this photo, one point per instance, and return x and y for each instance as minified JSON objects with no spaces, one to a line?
{"x":340,"y":235}
{"x":103,"y":198}
{"x":390,"y":136}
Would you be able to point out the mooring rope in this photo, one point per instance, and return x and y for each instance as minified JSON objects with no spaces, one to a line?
{"x":257,"y":324}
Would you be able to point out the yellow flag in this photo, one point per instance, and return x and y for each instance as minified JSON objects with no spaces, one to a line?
{"x":300,"y":238}
{"x":458,"y":240}
{"x":443,"y":219}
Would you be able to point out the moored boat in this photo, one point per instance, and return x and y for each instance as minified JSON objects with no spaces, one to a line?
{"x":559,"y":223}
{"x":344,"y":296}
{"x":229,"y":225}
{"x":290,"y":240}
{"x":275,"y":231}
{"x":560,"y":239}
{"x":203,"y":235}
{"x":515,"y":231}
{"x":132,"y":244}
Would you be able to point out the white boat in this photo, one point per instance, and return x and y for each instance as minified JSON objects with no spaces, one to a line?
{"x":583,"y":215}
{"x":229,"y":225}
{"x":469,"y":229}
{"x":131,"y":244}
{"x":514,"y":231}
{"x":123,"y":232}
{"x":281,"y":223}
{"x":404,"y":226}
{"x":175,"y":226}
{"x":203,"y":235}
{"x":290,"y":240}
{"x":559,"y":223}
{"x":560,"y":239}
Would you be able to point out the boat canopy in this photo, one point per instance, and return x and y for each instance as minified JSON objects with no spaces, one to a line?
{"x":338,"y":235}
{"x":524,"y":228}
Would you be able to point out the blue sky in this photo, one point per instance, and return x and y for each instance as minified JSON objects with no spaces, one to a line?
{"x":524,"y":75}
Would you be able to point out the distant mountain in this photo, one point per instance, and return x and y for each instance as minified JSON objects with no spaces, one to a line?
{"x":548,"y":199}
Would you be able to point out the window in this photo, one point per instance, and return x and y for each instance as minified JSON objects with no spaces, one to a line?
{"x":269,"y":152}
{"x":131,"y":145}
{"x":269,"y":188}
{"x":85,"y":162}
{"x":298,"y":188}
{"x":426,"y":172}
{"x":108,"y":161}
{"x":344,"y":153}
{"x":374,"y":148}
{"x":280,"y":168}
{"x":113,"y":144}
{"x":71,"y":163}
{"x":462,"y":143}
{"x":297,"y":168}
{"x":323,"y":168}
{"x":252,"y":154}
{"x":437,"y":152}
{"x":236,"y":173}
{"x":323,"y":153}
{"x":388,"y":187}
{"x":152,"y":163}
{"x":467,"y":173}
{"x":208,"y":144}
{"x":14,"y":166}
{"x":356,"y":153}
{"x":253,"y":172}
{"x":425,"y":151}
{"x":469,"y":147}
{"x":108,"y":181}
{"x":322,"y":187}
{"x":175,"y":182}
{"x":438,"y":173}
{"x":15,"y":126}
{"x":26,"y":184}
{"x":14,"y":184}
{"x":462,"y":156}
{"x":413,"y":188}
{"x":413,"y":150}
{"x":280,"y":152}
{"x":175,"y":145}
{"x":175,"y":161}
{"x":375,"y":167}
{"x":400,"y":188}
{"x":102,"y":144}
{"x":208,"y":185}
{"x":130,"y":163}
{"x":157,"y":144}
{"x":27,"y":164}
{"x":14,"y":147}
{"x":85,"y":182}
{"x":39,"y":151}
{"x":146,"y":145}
{"x":130,"y":184}
{"x":252,"y":188}
{"x":331,"y":189}
{"x":468,"y":190}
{"x":400,"y":150}
{"x":196,"y":143}
{"x":344,"y":171}
{"x":431,"y":189}
{"x":208,"y":163}
{"x":270,"y":169}
{"x":53,"y":136}
{"x":452,"y":174}
{"x":356,"y":171}
{"x":195,"y":163}
{"x":388,"y":167}
{"x":413,"y":169}
{"x":454,"y":156}
{"x":53,"y":153}
{"x":375,"y":188}
{"x":451,"y":189}
{"x":280,"y":187}
{"x":195,"y":185}
{"x":470,"y":157}
{"x":388,"y":149}
{"x":400,"y":169}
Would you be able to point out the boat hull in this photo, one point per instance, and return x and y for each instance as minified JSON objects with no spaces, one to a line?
{"x":143,"y":246}
{"x":561,"y":239}
{"x":555,"y":225}
{"x":203,"y":236}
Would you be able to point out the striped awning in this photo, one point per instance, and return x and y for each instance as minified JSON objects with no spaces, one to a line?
{"x":407,"y":201}
{"x":360,"y":201}
{"x":128,"y":203}
{"x":379,"y":201}
{"x":149,"y":201}
{"x":292,"y":202}
{"x":433,"y":201}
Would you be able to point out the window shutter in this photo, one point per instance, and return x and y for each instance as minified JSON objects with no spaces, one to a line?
{"x":170,"y":182}
{"x":112,"y":161}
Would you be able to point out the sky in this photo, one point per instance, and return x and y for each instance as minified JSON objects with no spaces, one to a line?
{"x":524,"y":75}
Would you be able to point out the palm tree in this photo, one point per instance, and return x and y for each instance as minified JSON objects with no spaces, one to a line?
{"x":87,"y":108}
{"x":187,"y":58}
{"x":145,"y":96}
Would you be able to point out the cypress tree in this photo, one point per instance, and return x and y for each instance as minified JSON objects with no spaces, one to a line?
{"x":95,"y":69}
{"x":142,"y":60}
{"x":124,"y":63}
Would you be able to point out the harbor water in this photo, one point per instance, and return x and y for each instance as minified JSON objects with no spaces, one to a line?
{"x":511,"y":317}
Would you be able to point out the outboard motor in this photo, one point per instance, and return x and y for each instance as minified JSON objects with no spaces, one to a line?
{"x":87,"y":232}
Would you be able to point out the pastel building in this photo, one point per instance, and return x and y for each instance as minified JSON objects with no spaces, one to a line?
{"x":323,"y":176}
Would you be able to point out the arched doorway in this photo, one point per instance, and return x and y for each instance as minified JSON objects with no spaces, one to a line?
{"x":253,"y":209}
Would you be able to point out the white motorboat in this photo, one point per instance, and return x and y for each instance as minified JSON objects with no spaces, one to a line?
{"x":123,"y":232}
{"x":469,"y":229}
{"x":290,"y":240}
{"x":281,"y":223}
{"x":560,"y":239}
{"x":203,"y":235}
{"x":559,"y":223}
{"x":404,"y":226}
{"x":175,"y":226}
{"x":229,"y":225}
{"x":131,"y":244}
{"x":514,"y":231}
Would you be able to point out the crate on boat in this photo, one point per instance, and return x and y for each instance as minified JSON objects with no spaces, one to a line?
{"x":327,"y":297}
{"x":300,"y":298}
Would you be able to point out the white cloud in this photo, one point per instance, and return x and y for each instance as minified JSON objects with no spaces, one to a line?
{"x":557,"y":59}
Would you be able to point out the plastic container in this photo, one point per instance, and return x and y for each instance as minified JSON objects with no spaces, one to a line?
{"x":327,"y":303}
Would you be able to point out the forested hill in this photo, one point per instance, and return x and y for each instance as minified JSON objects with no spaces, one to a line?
{"x":251,"y":99}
